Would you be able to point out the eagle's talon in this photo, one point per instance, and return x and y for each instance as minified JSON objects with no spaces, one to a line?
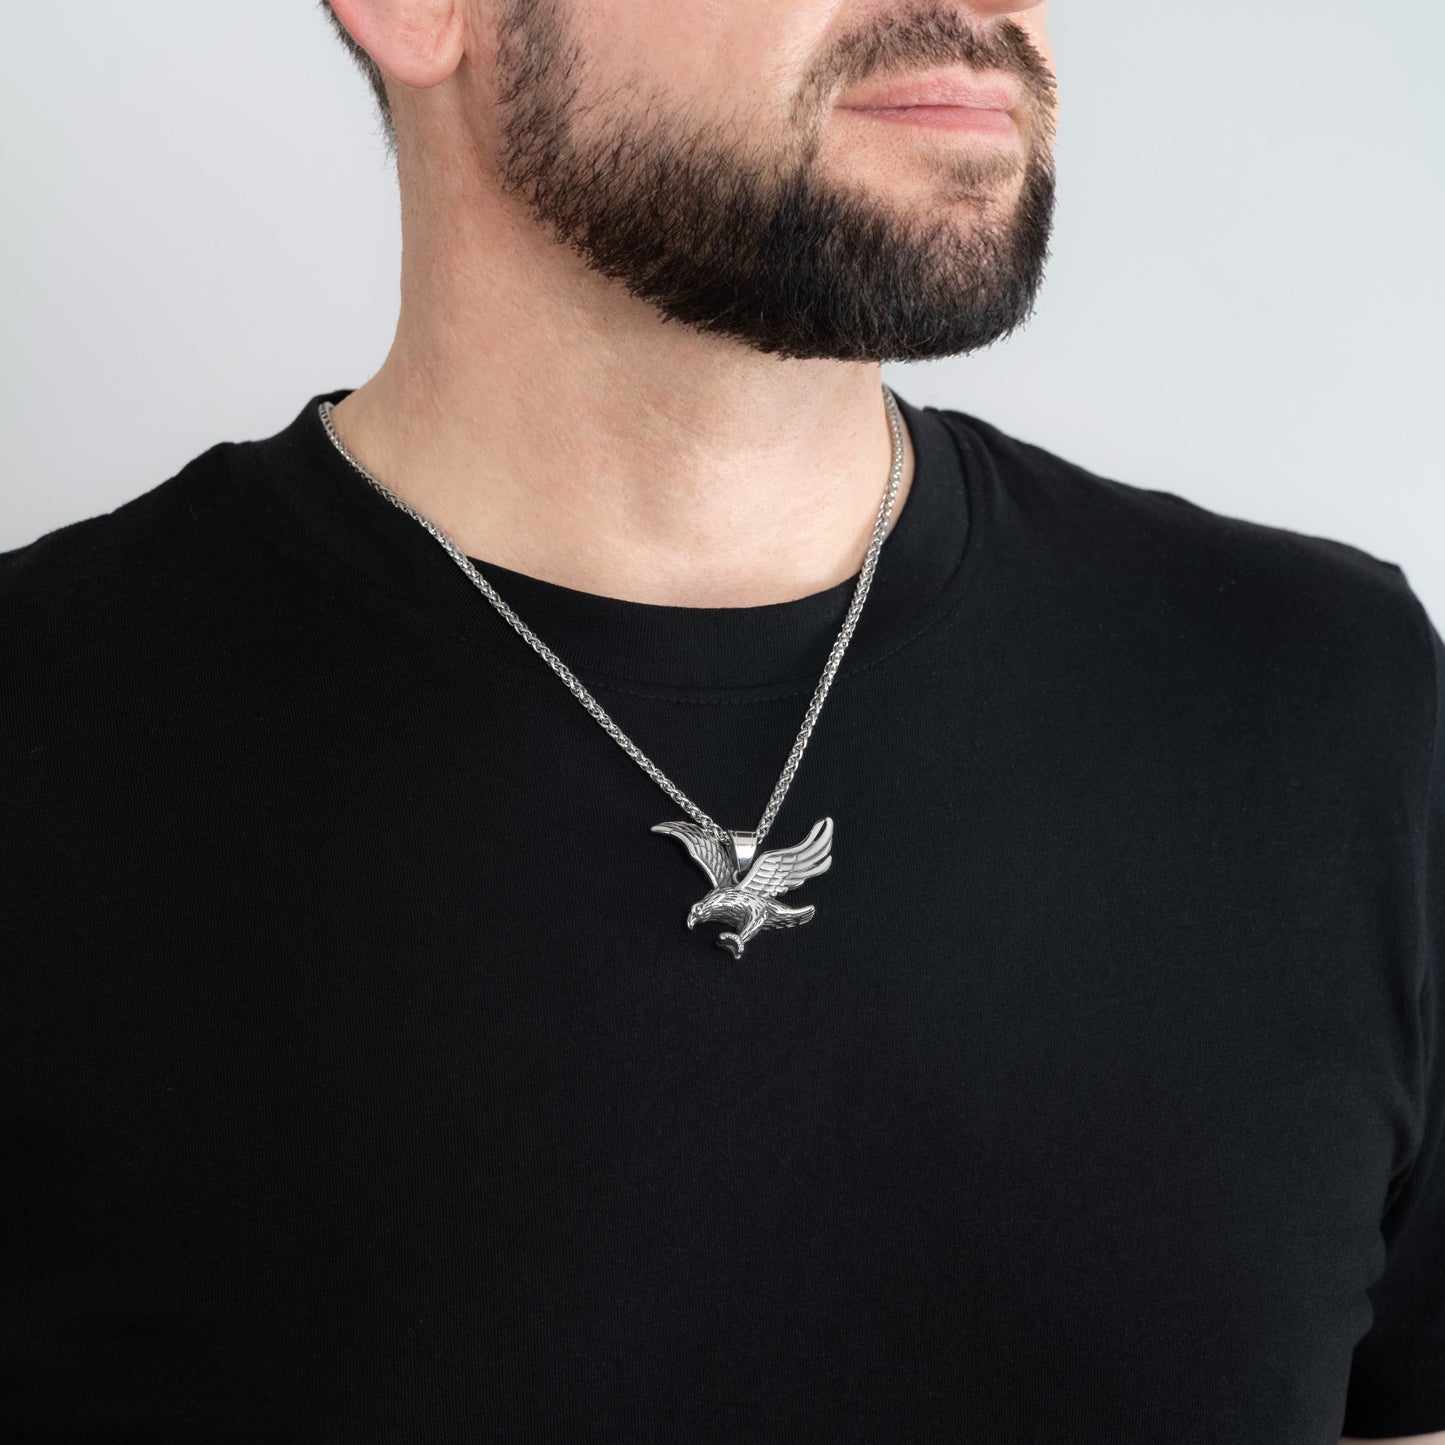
{"x":732,"y":943}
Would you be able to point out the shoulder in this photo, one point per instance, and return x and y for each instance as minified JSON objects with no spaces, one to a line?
{"x":107,"y":558}
{"x":109,"y":621}
{"x":141,"y":571}
{"x":1236,"y":594}
{"x":1156,"y":527}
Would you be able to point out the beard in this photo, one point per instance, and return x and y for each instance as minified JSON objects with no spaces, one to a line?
{"x":727,"y":235}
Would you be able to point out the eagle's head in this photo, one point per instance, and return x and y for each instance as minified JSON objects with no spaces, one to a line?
{"x":704,"y":909}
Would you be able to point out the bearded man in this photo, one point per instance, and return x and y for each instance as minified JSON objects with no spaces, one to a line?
{"x":620,"y":881}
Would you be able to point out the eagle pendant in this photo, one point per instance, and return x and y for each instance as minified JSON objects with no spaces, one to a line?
{"x":745,"y":891}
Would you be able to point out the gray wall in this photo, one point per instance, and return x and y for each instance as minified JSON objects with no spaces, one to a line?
{"x":1245,"y":304}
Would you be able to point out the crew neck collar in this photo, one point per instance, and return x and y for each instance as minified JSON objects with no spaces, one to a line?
{"x":922,"y":566}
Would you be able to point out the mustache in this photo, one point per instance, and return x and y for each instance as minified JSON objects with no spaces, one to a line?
{"x":923,"y":36}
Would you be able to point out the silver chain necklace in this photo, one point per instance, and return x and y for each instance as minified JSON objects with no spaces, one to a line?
{"x":745,"y":883}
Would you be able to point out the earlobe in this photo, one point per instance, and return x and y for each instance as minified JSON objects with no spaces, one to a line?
{"x":416,"y":42}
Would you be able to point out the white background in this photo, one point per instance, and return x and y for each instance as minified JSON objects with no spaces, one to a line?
{"x":1245,"y":303}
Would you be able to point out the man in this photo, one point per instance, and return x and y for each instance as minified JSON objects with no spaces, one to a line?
{"x":889,"y":936}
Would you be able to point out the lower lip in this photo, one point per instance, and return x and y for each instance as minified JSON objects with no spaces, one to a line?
{"x":944,"y":117}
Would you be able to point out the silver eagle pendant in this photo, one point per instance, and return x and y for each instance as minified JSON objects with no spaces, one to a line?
{"x":744,"y":891}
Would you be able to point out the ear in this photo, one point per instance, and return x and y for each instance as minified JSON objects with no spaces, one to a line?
{"x":417,"y":42}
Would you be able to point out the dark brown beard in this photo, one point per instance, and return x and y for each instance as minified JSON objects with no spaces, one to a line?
{"x":773,"y":254}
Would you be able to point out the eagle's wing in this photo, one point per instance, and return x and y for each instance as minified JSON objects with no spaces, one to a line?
{"x":717,"y":859}
{"x":784,"y":868}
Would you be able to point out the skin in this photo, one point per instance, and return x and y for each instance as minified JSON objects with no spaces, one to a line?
{"x":698,"y":421}
{"x":1435,"y":1438}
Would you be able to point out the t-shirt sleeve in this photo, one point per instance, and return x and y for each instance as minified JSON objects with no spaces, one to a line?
{"x":1397,"y":1379}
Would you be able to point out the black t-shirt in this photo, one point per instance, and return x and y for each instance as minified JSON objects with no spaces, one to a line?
{"x":362,"y":1080}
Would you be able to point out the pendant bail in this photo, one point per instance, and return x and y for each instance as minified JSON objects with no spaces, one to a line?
{"x":745,"y":844}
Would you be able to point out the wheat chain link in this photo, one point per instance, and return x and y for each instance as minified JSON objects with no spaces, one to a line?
{"x":835,"y":657}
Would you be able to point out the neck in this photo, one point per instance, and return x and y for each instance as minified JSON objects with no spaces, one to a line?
{"x":553,"y":425}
